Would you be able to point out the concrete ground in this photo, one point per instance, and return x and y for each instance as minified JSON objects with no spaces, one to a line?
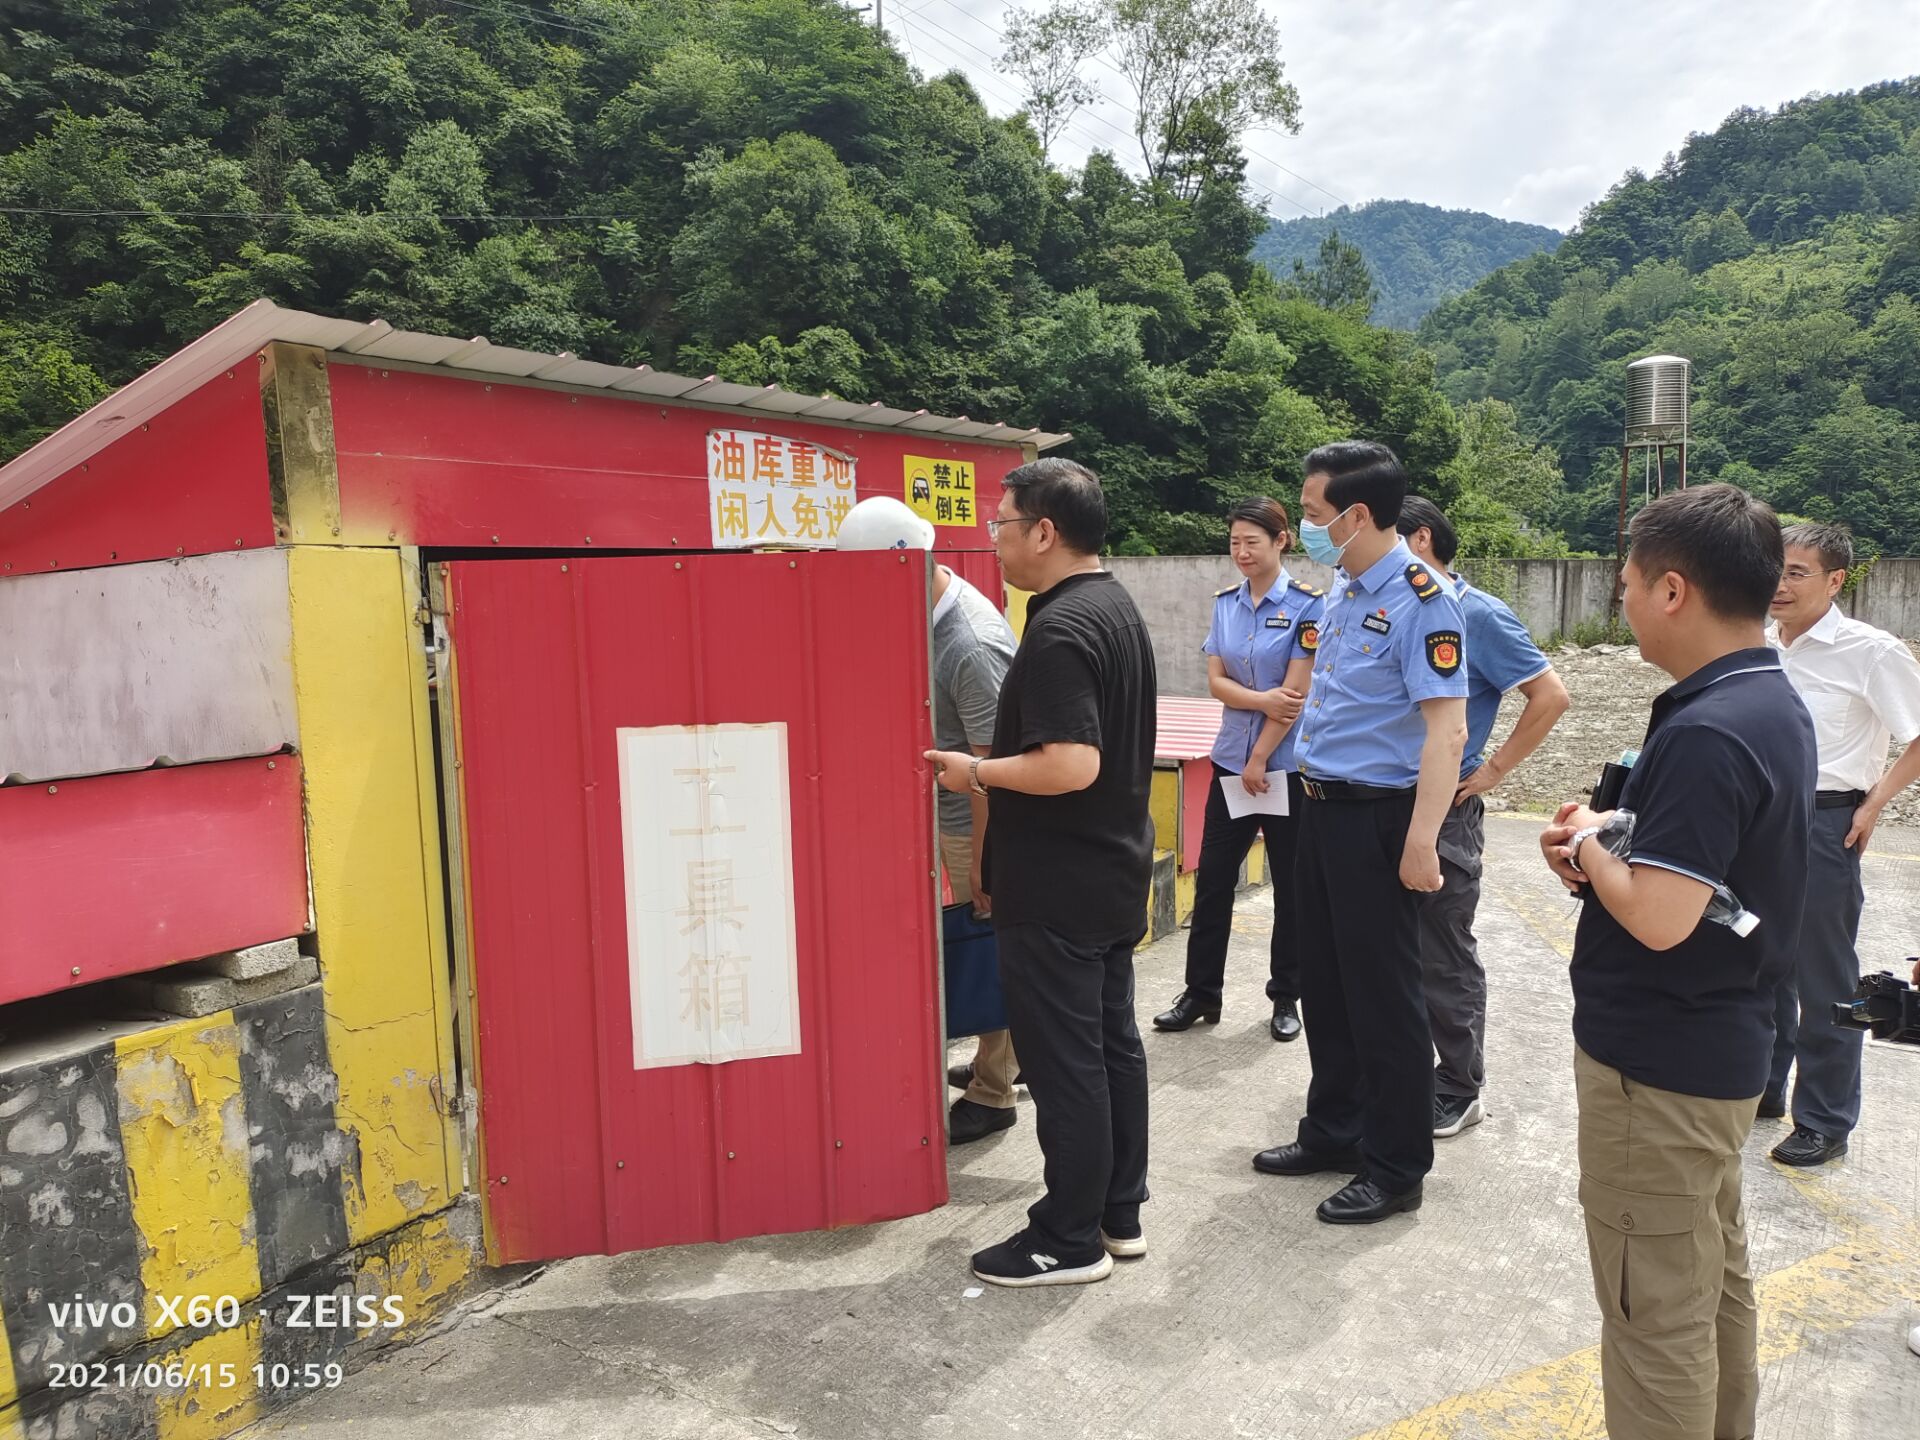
{"x":1473,"y":1319}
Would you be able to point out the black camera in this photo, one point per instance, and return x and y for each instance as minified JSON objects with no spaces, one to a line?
{"x":1886,"y":1007}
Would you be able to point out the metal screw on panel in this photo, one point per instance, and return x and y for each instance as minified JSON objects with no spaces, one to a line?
{"x":839,"y":1144}
{"x":923,"y":1139}
{"x":76,"y":969}
{"x":729,"y":1154}
{"x":393,"y":534}
{"x":933,"y":874}
{"x":503,"y":1179}
{"x":488,"y":389}
{"x":237,"y":544}
{"x":589,"y":539}
{"x":563,"y":569}
{"x":271,"y":764}
{"x":903,"y":559}
{"x":336,"y":529}
{"x":619,"y":1164}
{"x":793,"y":564}
{"x":179,"y":549}
{"x":496,"y":539}
{"x":674,"y":539}
{"x":53,"y":789}
{"x":676,"y":564}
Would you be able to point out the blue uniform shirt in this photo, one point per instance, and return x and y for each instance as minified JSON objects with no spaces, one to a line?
{"x":1391,"y":637}
{"x":1255,"y":644}
{"x":1504,"y":656}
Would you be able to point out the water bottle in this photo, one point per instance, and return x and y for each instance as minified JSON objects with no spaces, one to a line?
{"x":1616,"y":836}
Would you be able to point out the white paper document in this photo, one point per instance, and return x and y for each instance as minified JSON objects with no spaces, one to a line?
{"x":1242,"y":801}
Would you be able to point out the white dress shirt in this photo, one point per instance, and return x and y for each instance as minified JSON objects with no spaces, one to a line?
{"x":1862,"y":687}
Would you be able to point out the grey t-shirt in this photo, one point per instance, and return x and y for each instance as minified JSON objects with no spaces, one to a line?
{"x":972,"y":647}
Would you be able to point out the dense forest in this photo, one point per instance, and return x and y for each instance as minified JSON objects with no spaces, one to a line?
{"x":1781,"y":255}
{"x":762,"y":188}
{"x":1418,"y":254}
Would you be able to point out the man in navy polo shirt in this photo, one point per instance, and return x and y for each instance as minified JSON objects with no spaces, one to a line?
{"x":1673,"y":1009}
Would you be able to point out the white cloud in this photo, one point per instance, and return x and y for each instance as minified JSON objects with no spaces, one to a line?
{"x":1525,"y":108}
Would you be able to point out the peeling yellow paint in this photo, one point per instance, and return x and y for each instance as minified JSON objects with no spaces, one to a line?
{"x":370,"y":832}
{"x":10,"y":1428}
{"x":424,"y":1268}
{"x":221,"y":1395}
{"x":187,"y":1162}
{"x":1163,"y":804}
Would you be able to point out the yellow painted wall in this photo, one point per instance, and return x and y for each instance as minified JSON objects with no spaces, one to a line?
{"x":183,"y":1128}
{"x":1017,"y":609}
{"x":371,"y":832}
{"x":1163,"y":804}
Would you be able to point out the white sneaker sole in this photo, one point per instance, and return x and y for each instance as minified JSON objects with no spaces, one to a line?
{"x":1078,"y":1275}
{"x":1475,"y":1113}
{"x":1124,"y":1249}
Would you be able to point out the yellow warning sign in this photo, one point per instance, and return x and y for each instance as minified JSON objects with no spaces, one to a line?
{"x":942,"y":491}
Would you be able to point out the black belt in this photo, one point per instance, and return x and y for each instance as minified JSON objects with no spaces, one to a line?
{"x":1838,"y":799}
{"x":1347,"y":790}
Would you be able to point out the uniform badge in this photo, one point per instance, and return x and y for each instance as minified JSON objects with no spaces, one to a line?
{"x":1279,"y":622}
{"x":1422,"y":581}
{"x":1443,"y":651}
{"x":1310,"y":636}
{"x":1377,"y":622}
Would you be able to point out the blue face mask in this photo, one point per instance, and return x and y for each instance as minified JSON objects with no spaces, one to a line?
{"x":1319,"y":546}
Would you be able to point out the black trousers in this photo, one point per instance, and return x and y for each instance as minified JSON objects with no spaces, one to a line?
{"x":1361,"y":998}
{"x":1223,"y":848}
{"x":1070,"y":1008}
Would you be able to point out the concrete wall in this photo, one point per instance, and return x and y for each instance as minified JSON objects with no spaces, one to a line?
{"x":1175,"y":594}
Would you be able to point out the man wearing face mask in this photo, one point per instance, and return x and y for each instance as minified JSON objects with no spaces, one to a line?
{"x":1379,"y":758}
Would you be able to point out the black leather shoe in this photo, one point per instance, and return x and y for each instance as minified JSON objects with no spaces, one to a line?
{"x":1772,"y":1107}
{"x":1296,"y":1159}
{"x":1186,"y":1010}
{"x":967,"y":1122}
{"x":1363,"y":1203}
{"x":1808,"y":1147}
{"x":960,"y":1077}
{"x":1286,"y":1020}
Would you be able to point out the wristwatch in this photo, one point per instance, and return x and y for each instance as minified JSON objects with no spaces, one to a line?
{"x":973,"y":777}
{"x":1580,"y":837}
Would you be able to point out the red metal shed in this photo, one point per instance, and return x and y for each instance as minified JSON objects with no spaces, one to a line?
{"x":689,"y":835}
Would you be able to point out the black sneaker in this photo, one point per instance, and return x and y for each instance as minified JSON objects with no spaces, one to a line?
{"x":1021,"y":1261}
{"x":1454,"y":1113}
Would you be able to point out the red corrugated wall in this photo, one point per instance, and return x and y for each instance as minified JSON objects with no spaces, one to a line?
{"x":583,"y":1153}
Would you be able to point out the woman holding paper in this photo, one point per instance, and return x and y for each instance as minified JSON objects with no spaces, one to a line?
{"x":1259,"y":656}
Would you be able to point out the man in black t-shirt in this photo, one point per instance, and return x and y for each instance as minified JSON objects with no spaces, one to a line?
{"x":1069,"y":853}
{"x":1672,"y":1006}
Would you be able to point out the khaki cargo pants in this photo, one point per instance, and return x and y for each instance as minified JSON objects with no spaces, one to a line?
{"x":994,"y":1063}
{"x":1660,"y":1184}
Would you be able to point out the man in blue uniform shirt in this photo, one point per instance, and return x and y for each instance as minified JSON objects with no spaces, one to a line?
{"x":1379,"y":754}
{"x":1504,"y":658}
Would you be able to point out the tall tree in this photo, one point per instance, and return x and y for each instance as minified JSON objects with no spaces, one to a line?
{"x":1338,"y":279}
{"x":1194,"y":61}
{"x":1046,"y":49}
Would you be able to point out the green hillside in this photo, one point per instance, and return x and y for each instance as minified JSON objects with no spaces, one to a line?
{"x":1781,"y":254}
{"x":1419,"y":254}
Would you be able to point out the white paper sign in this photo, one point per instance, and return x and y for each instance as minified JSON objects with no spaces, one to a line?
{"x":768,"y":490}
{"x":1242,"y":801}
{"x":711,"y":961}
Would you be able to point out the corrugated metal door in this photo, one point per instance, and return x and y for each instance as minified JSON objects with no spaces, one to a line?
{"x":583,"y":1152}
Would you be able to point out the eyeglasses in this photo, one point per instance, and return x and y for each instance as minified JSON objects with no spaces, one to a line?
{"x":993,"y":526}
{"x":1800,"y":577}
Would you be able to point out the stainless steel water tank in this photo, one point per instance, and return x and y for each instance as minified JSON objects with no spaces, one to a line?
{"x":1657,"y":400}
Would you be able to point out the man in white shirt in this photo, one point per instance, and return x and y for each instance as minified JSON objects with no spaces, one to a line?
{"x":1862,"y":687}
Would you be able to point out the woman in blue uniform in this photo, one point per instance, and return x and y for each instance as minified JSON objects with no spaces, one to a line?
{"x":1259,"y":660}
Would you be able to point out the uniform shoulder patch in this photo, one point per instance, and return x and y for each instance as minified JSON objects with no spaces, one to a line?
{"x":1443,"y":651}
{"x":1305,"y":588}
{"x":1421,"y":579}
{"x":1310,"y":636}
{"x":1222,"y":594}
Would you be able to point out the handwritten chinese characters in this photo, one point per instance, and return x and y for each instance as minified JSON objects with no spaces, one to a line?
{"x":942,"y":491}
{"x":767,"y":490}
{"x":712,"y":964}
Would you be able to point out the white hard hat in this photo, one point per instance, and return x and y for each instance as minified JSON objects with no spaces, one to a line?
{"x":883,"y":523}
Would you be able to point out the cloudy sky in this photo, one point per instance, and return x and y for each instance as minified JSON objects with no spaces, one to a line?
{"x":1527,"y":109}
